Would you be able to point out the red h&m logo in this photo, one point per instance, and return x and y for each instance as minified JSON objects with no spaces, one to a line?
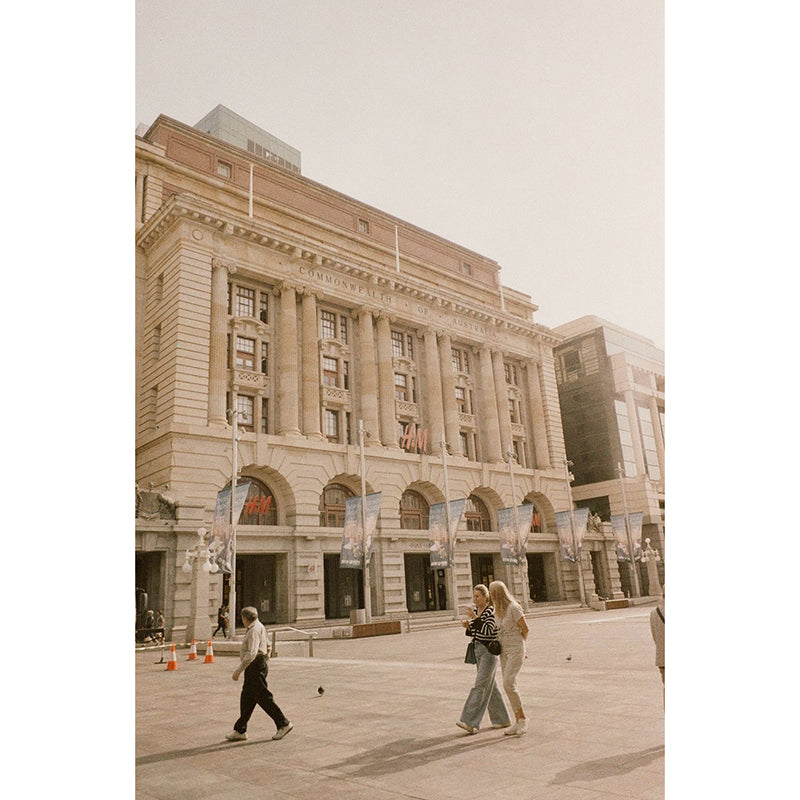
{"x":257,"y":505}
{"x":414,"y":437}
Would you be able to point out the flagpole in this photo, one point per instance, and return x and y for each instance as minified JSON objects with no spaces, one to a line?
{"x":235,"y":470}
{"x":581,"y":588}
{"x":367,"y":587}
{"x":451,"y":538}
{"x":522,"y":560}
{"x":637,"y":592}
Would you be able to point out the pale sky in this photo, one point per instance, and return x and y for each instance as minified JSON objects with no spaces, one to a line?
{"x":531,"y":132}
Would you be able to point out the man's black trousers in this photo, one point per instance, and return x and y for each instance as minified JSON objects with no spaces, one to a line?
{"x":255,"y":692}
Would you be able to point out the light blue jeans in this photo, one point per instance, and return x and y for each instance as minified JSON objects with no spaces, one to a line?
{"x":485,"y":694}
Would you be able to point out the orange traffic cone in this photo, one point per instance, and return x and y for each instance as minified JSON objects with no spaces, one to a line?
{"x":209,"y":654}
{"x":192,"y":652}
{"x":173,"y":661}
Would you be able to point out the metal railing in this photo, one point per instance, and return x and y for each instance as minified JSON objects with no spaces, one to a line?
{"x":310,"y":634}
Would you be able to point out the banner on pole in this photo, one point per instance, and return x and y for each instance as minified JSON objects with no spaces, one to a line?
{"x":441,"y":544}
{"x":621,"y":536}
{"x":581,"y":516}
{"x":635,"y":520}
{"x":354,"y":544}
{"x":221,"y":544}
{"x":513,"y":542}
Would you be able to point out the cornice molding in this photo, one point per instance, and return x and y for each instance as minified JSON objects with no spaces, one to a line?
{"x":189,"y":207}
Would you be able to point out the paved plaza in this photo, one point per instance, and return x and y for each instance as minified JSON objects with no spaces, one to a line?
{"x":384,"y":728}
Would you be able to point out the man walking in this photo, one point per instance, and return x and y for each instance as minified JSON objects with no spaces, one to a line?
{"x":253,"y":653}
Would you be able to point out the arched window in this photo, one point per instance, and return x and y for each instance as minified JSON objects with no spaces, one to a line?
{"x":259,"y":507}
{"x":413,"y":511}
{"x":331,"y":505}
{"x":536,"y":520}
{"x":477,"y":515}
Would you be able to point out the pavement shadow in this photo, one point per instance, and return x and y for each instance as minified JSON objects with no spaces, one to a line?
{"x":608,"y":767}
{"x":409,"y":753}
{"x":169,"y":755}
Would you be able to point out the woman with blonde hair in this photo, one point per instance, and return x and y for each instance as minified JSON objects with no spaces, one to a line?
{"x":512,"y":635}
{"x":485,"y":695}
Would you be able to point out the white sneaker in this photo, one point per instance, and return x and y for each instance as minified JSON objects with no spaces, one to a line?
{"x":235,"y":736}
{"x":468,"y":728}
{"x":281,"y":732}
{"x":512,"y":731}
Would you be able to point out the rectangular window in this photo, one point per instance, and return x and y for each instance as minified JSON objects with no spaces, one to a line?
{"x":397,"y":344}
{"x":410,"y":346}
{"x":510,"y":371}
{"x":400,"y":386}
{"x":649,"y":443}
{"x":330,"y":371}
{"x":343,"y":329}
{"x":513,"y":410}
{"x":245,"y":353}
{"x":245,"y":302}
{"x":625,"y":439}
{"x":460,"y":360}
{"x":571,"y":364}
{"x":265,"y":358}
{"x":263,"y":307}
{"x":363,"y":226}
{"x":328,"y":325}
{"x":264,"y":415}
{"x":345,"y":374}
{"x":332,"y":425}
{"x":462,"y":436}
{"x":244,"y":405}
{"x":224,"y":169}
{"x":466,"y":268}
{"x":461,"y":399}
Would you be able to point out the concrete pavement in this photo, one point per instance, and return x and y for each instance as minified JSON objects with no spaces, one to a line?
{"x":384,"y":729}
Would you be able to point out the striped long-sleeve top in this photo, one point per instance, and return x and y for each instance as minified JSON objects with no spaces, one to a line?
{"x":484,"y":627}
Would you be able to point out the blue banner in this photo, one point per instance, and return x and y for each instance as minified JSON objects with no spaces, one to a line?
{"x":354,"y":544}
{"x":513,"y":542}
{"x":221,"y":545}
{"x":564,"y":527}
{"x":621,"y":535}
{"x":441,"y":544}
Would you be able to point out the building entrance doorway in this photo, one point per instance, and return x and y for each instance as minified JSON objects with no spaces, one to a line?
{"x":426,"y":589}
{"x":344,"y":588}
{"x":542,"y":577}
{"x":482,"y":569}
{"x":257,"y":580}
{"x":149,"y":585}
{"x":602,"y":582}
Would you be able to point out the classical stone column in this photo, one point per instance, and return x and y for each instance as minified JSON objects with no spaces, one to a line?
{"x":451,"y":426}
{"x":368,"y":378}
{"x":386,"y":383}
{"x":218,"y":341}
{"x":310,"y":367}
{"x":433,"y":404}
{"x":490,"y":427}
{"x":658,"y":434}
{"x":541,"y":454}
{"x":503,"y":414}
{"x":636,"y":437}
{"x":287,"y":362}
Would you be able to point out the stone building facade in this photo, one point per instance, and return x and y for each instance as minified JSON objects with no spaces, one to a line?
{"x":311,"y":313}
